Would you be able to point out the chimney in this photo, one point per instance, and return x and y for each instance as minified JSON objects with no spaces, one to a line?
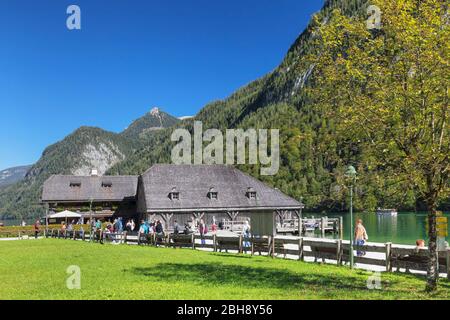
{"x":94,"y":172}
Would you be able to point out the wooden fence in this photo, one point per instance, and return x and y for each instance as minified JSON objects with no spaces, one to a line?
{"x":390,"y":256}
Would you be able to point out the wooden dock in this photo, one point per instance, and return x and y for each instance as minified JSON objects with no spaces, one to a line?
{"x":305,"y":225}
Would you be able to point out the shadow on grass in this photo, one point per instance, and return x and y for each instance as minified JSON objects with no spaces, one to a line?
{"x":249,"y":277}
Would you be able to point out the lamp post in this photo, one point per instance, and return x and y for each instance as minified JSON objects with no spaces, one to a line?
{"x":351,"y":173}
{"x":91,"y":226}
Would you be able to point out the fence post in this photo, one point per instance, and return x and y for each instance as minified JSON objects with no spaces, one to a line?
{"x":341,"y":228}
{"x":448,"y":263}
{"x":214,"y":243}
{"x":300,"y":226}
{"x":273,"y":246}
{"x":240,"y":244}
{"x":339,"y":252}
{"x":193,"y":241}
{"x":253,"y":245}
{"x":388,"y":256}
{"x":323,"y":226}
{"x":300,"y":248}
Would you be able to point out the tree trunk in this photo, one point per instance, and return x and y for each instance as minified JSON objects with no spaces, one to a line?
{"x":432,"y":272}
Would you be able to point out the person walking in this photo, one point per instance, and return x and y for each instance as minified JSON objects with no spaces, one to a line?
{"x":360,"y":237}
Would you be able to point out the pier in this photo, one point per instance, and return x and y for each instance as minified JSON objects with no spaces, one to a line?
{"x":303,"y":226}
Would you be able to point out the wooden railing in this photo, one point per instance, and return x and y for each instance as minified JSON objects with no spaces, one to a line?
{"x":390,"y":256}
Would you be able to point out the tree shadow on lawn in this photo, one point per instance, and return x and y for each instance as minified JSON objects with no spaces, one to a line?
{"x":249,"y":277}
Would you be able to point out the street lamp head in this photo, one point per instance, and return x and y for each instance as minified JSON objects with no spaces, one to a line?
{"x":351,"y":172}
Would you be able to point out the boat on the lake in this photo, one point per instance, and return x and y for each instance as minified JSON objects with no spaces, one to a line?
{"x":386,"y":212}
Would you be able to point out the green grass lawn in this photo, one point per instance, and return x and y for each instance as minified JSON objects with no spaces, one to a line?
{"x":37,"y":270}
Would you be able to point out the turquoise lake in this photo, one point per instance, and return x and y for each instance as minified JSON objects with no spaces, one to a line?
{"x":405,"y":228}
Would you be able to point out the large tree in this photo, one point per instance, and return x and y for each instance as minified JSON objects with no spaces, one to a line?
{"x":387,"y":86}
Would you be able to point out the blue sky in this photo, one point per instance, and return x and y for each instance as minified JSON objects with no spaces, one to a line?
{"x":129,"y":56}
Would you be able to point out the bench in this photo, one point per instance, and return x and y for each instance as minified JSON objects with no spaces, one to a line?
{"x":418,"y":261}
{"x":228,"y":243}
{"x":181,"y":240}
{"x":159,"y":239}
{"x":329,"y":251}
{"x":260,"y":245}
{"x":279,"y":247}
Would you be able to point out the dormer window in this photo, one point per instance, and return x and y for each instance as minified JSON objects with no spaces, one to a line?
{"x":174,"y":194}
{"x":212,"y":194}
{"x":75,"y":184}
{"x":106,"y":184}
{"x":251,"y":193}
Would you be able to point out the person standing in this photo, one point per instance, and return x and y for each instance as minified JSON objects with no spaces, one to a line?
{"x":37,"y":228}
{"x":141,"y":232}
{"x":246,"y":234}
{"x":360,"y":237}
{"x":98,"y":227}
{"x":203,"y":231}
{"x":176,"y":227}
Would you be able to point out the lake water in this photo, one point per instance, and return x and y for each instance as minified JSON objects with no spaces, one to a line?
{"x":405,"y":228}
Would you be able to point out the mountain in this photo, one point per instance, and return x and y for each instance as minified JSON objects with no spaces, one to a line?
{"x":85,"y":149}
{"x":152,"y":121}
{"x":12,"y":175}
{"x":313,"y":157}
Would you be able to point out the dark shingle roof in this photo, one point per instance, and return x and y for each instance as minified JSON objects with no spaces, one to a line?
{"x":193,"y":182}
{"x":115,"y":188}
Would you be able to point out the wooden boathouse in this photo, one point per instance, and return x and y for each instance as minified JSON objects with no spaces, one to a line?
{"x":214,"y":193}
